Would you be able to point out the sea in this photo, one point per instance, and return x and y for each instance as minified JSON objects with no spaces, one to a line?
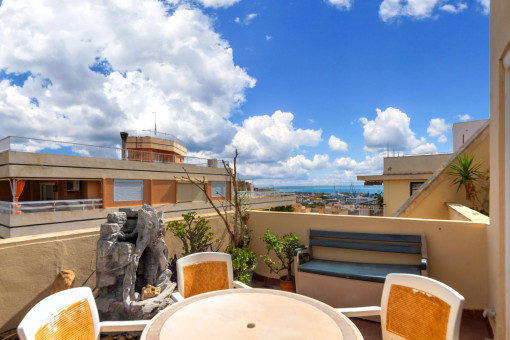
{"x":332,"y":189}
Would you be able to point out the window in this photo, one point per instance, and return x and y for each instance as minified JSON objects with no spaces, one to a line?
{"x":127,"y":190}
{"x":219,"y":189}
{"x":187,"y":192}
{"x":415,"y":187}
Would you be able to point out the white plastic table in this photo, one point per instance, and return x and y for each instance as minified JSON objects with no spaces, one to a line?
{"x":250,"y":314}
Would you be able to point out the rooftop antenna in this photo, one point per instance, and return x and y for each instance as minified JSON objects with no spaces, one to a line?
{"x":155,"y":129}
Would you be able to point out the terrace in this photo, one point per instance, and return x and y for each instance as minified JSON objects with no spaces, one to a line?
{"x":457,"y":250}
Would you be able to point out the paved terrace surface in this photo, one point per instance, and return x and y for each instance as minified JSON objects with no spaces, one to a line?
{"x":471,"y":328}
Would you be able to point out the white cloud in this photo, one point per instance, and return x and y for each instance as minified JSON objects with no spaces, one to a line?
{"x":442,"y":139}
{"x":370,"y":164}
{"x":311,"y":121}
{"x":341,"y":4}
{"x":154,"y":59}
{"x":464,"y":118}
{"x":337,"y":145}
{"x":300,"y":161}
{"x":247,"y":19}
{"x":268,"y":37}
{"x":437,"y":127}
{"x":419,"y":9}
{"x":452,"y":8}
{"x":486,"y":6}
{"x":289,"y":170}
{"x":390,"y":10}
{"x":424,"y":148}
{"x":391,"y":130}
{"x":271,"y":138}
{"x":217,"y":3}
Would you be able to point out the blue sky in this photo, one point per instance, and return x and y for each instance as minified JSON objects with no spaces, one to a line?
{"x":309,"y":92}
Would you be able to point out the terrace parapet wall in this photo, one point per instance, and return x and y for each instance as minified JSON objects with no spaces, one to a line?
{"x":28,"y":265}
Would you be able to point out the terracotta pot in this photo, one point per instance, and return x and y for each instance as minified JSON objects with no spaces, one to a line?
{"x":288,"y":286}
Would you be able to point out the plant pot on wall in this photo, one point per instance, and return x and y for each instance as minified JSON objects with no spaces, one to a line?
{"x":287,"y":285}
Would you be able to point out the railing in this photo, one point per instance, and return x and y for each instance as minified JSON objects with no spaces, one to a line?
{"x":152,"y":133}
{"x":16,"y":208}
{"x":23,"y":144}
{"x":258,"y":194}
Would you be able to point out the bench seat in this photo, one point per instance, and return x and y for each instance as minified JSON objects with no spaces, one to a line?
{"x":374,"y":272}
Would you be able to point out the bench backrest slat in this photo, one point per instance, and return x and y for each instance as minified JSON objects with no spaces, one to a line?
{"x":392,"y":248}
{"x":365,"y":236}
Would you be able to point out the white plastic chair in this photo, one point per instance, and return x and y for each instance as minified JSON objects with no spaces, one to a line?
{"x":70,"y":314}
{"x":204,"y":272}
{"x":415,"y":307}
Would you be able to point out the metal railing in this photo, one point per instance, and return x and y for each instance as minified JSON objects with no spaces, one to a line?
{"x":23,"y":144}
{"x":16,"y":208}
{"x":152,"y":133}
{"x":258,"y":194}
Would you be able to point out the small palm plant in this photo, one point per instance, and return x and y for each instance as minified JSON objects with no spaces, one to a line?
{"x":466,"y":174}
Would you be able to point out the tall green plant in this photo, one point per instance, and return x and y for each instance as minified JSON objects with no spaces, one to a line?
{"x":195,"y":233}
{"x":283,"y":247}
{"x":465,"y":174}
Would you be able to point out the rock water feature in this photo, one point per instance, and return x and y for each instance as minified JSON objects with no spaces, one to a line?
{"x":132,"y":265}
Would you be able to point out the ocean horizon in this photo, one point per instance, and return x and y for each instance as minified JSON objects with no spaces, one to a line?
{"x":331,"y":189}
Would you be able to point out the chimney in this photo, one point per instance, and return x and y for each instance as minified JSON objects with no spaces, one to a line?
{"x":123,"y":137}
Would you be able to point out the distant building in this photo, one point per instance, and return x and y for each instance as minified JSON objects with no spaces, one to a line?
{"x":46,"y":191}
{"x":403,"y":176}
{"x":461,"y":132}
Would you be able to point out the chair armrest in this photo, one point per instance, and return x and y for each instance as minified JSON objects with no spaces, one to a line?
{"x":360,"y":311}
{"x":176,"y":296}
{"x":239,"y":284}
{"x":123,"y":326}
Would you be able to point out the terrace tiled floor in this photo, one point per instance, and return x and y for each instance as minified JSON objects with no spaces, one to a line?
{"x":470,"y":329}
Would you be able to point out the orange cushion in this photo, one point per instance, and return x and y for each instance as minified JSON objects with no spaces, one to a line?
{"x":71,"y":323}
{"x":416,"y":315}
{"x":205,"y":277}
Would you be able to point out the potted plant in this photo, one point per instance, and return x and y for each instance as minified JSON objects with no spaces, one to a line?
{"x":466,"y":174}
{"x":283,"y":247}
{"x":244,"y":262}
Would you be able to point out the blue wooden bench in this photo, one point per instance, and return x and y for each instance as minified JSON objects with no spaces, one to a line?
{"x":365,"y":260}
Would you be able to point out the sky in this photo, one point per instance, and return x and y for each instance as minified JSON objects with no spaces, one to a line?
{"x":310,"y":92}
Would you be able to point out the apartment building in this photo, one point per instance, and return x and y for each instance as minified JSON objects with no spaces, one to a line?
{"x":43,"y":190}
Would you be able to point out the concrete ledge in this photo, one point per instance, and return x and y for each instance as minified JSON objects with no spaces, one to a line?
{"x":460,"y":212}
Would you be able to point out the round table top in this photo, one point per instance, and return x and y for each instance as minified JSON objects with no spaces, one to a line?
{"x":250,"y":314}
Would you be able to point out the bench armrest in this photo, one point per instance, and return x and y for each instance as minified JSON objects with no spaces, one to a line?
{"x":360,"y":311}
{"x":424,"y":267}
{"x":297,"y":251}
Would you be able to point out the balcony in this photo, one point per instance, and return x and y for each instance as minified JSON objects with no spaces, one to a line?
{"x":16,"y":208}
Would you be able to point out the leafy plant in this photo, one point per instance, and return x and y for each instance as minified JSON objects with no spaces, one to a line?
{"x":379,"y":199}
{"x":283,"y":247}
{"x":242,"y":260}
{"x":195,"y":233}
{"x":465,"y":175}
